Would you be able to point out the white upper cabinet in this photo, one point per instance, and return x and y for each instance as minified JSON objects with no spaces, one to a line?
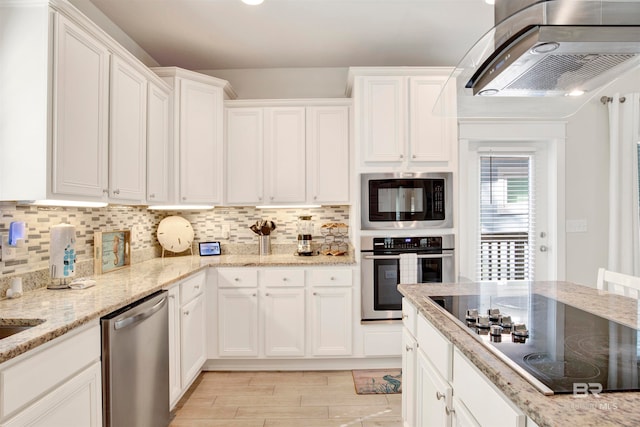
{"x":197,"y":134}
{"x":287,"y":152}
{"x":81,"y":102}
{"x":328,"y":154}
{"x":382,"y":118}
{"x":402,"y":121}
{"x":158,"y":144}
{"x":76,"y":118}
{"x":244,"y":159}
{"x":284,"y":146}
{"x":128,"y":133}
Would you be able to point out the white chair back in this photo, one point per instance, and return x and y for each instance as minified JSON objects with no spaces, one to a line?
{"x":618,"y":283}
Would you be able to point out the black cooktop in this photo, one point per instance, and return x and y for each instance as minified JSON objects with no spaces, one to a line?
{"x":565,"y":348}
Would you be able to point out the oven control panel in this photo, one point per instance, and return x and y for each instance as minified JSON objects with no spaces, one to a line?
{"x":432,"y":242}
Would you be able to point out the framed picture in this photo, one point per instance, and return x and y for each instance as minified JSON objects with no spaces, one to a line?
{"x":112,"y":250}
{"x":209,"y":248}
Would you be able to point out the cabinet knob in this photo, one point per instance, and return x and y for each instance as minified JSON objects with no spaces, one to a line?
{"x":402,"y":156}
{"x":271,"y":198}
{"x":284,"y":279}
{"x":332,"y":278}
{"x":405,"y":316}
{"x":184,"y":197}
{"x":105,"y":191}
{"x":152,"y":196}
{"x":117,"y":191}
{"x":236,"y":279}
{"x":267,"y":294}
{"x":254,"y":294}
{"x":315,"y":197}
{"x":413,"y":156}
{"x":449,"y":411}
{"x":186,"y":313}
{"x":439,"y":395}
{"x":408,"y":347}
{"x":196,"y":287}
{"x":315,"y":293}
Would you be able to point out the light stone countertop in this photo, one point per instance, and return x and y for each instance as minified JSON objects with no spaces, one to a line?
{"x":63,"y":310}
{"x":609,"y":409}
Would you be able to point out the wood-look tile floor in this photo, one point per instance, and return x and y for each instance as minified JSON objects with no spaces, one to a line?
{"x":284,"y":399}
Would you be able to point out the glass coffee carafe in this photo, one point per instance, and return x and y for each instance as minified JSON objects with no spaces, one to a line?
{"x":305,"y":233}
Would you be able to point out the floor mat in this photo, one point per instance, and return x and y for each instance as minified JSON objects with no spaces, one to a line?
{"x":378,"y":381}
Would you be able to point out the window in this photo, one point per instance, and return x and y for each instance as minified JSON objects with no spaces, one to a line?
{"x":507,"y":220}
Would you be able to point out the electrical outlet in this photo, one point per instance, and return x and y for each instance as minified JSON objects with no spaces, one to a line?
{"x":9,"y":253}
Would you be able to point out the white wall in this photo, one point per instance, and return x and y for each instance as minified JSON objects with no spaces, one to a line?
{"x":587,"y":181}
{"x":285,"y":83}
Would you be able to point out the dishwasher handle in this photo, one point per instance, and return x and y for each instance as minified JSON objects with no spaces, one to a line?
{"x":429,"y":256}
{"x":123,"y":323}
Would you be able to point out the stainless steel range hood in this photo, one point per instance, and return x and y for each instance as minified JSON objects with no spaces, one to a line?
{"x":566,"y":50}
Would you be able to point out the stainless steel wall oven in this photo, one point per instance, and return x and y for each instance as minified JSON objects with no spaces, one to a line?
{"x":386,"y":261}
{"x":406,"y":200}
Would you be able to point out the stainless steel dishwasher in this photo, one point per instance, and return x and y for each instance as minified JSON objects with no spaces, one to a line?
{"x":135,"y":364}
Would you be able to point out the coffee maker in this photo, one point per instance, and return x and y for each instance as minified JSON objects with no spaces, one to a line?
{"x":305,"y":235}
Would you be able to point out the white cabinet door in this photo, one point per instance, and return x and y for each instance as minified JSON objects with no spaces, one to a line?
{"x":383,"y":118}
{"x":159,"y":172}
{"x":331,"y":321}
{"x":244,"y":156}
{"x":408,"y":378}
{"x":127,"y":133}
{"x":77,"y":402}
{"x":284,"y":316}
{"x":200,"y":142}
{"x":433,"y":395}
{"x":328,"y":154}
{"x":430,"y":138}
{"x":193,"y":346}
{"x":80,"y":119}
{"x":238,"y":322}
{"x":284,"y":150}
{"x":175,"y":385}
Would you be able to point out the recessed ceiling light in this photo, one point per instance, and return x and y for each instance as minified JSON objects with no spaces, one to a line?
{"x":252,"y":2}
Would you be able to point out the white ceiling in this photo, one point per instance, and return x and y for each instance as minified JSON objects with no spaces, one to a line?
{"x":227,"y":34}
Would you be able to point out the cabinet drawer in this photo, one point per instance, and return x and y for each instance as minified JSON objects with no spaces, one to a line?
{"x":237,"y":278}
{"x":485,"y":402}
{"x":330,"y":277}
{"x":31,"y":375}
{"x":409,"y":315}
{"x":282,"y":277}
{"x":191,"y":287}
{"x":435,"y":346}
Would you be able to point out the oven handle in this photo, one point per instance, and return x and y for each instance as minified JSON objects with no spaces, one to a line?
{"x":446,"y":255}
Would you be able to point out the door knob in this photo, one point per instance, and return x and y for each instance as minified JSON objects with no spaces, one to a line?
{"x":544,"y":248}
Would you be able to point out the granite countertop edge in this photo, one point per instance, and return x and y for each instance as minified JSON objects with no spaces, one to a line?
{"x":65,"y":310}
{"x":609,"y":409}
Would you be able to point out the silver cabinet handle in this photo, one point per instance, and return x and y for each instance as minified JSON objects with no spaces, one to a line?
{"x":439,"y":395}
{"x":408,"y":348}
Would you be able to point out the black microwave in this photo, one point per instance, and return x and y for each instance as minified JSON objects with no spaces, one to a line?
{"x":406,"y":200}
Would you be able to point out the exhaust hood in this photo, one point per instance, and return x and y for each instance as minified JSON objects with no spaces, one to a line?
{"x":554,"y":54}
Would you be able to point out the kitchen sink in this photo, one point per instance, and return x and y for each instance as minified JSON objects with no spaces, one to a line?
{"x":10,"y":327}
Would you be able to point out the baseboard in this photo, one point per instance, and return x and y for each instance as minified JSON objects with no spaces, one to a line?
{"x":301,"y":364}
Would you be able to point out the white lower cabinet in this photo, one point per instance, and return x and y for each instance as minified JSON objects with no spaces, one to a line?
{"x":433,"y":394}
{"x":284,"y":313}
{"x":187,"y":338}
{"x":34,"y":394}
{"x":262,"y":312}
{"x":441,"y":387}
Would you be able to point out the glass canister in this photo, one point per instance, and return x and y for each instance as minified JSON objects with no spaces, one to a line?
{"x":305,"y":233}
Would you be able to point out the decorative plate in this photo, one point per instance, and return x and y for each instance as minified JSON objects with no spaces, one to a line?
{"x":175,"y":234}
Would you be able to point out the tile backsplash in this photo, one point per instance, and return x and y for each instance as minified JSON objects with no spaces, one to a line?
{"x":143,"y":224}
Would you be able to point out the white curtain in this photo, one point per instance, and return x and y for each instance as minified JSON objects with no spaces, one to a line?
{"x":624,"y":230}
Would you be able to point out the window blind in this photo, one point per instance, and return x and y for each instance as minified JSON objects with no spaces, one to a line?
{"x":507,"y":218}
